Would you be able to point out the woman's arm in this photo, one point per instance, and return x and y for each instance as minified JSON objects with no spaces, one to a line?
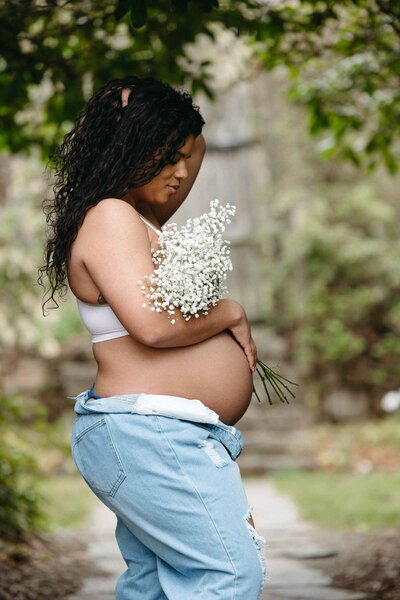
{"x":165,"y":211}
{"x":117,"y":255}
{"x":227,"y":313}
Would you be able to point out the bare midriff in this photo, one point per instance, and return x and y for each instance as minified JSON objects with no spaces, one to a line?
{"x":215,"y":371}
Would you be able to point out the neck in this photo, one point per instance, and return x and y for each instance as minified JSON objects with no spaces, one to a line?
{"x":142,"y":208}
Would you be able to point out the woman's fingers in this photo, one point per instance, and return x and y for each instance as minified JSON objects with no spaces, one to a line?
{"x":251,"y":354}
{"x":242,"y":333}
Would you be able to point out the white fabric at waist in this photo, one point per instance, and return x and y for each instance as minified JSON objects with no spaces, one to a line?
{"x":175,"y":406}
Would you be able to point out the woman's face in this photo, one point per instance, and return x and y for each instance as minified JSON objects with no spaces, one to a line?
{"x":164,"y":185}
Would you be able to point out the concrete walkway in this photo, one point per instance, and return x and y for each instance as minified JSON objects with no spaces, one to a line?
{"x":289,"y":543}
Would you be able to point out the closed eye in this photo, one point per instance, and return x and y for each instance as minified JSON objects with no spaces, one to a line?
{"x":175,"y":162}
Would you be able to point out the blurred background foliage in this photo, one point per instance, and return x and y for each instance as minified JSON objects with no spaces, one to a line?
{"x":22,"y":238}
{"x":39,"y":489}
{"x":337,"y":284}
{"x":19,"y":506}
{"x":342,"y":58}
{"x":331,"y":276}
{"x":329,"y":241}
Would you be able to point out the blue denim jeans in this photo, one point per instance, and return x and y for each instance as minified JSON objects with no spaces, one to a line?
{"x":179,"y":500}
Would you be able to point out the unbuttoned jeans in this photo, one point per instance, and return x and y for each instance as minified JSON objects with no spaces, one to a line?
{"x":179,"y":500}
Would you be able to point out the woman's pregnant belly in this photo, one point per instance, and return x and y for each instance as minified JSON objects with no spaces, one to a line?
{"x":215,"y":371}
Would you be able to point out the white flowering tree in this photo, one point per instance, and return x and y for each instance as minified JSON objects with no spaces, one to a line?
{"x":342,"y":56}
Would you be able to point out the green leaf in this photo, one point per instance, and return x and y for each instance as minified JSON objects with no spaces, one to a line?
{"x":208,"y":92}
{"x":121,"y":8}
{"x":138,"y":13}
{"x":208,"y":5}
{"x":196,"y":86}
{"x":390,"y":163}
{"x":208,"y":32}
{"x":180,"y":6}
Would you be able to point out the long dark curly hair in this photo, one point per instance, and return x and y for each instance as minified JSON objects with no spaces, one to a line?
{"x":111,"y":149}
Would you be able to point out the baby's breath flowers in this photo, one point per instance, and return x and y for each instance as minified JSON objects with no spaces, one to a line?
{"x":192,"y":265}
{"x":191,"y":268}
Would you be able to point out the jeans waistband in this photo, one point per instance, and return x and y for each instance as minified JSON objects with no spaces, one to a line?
{"x":228,"y":435}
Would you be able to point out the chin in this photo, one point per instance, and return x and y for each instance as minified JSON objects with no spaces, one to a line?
{"x":158,"y":200}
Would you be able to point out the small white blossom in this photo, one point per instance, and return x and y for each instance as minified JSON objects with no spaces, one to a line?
{"x":193,"y":262}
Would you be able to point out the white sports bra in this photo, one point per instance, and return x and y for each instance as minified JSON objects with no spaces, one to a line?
{"x":100,"y":320}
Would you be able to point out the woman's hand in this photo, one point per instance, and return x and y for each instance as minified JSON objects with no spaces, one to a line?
{"x":242,"y":334}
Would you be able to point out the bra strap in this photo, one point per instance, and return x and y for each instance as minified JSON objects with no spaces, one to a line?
{"x":150,"y":224}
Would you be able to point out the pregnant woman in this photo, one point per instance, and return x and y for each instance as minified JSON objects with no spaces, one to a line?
{"x":154,"y":437}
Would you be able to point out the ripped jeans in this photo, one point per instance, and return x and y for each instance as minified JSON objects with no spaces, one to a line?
{"x":176,"y":490}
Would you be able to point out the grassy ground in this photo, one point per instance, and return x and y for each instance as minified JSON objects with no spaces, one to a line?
{"x":67,"y":499}
{"x":354,"y":498}
{"x":344,"y":500}
{"x":357,"y":485}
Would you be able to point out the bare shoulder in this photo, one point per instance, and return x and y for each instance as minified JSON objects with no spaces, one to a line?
{"x":111,"y":211}
{"x":115,"y":220}
{"x":112,"y":225}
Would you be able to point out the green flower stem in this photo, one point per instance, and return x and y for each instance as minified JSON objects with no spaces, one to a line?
{"x":279,"y":392}
{"x":267,"y":368}
{"x":255,"y":392}
{"x":278,"y":381}
{"x":275,"y":380}
{"x":265,"y":386}
{"x":276,"y":388}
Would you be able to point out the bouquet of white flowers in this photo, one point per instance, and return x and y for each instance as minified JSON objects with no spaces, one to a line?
{"x":192,"y":265}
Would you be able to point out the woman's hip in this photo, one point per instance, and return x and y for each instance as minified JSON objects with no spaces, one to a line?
{"x":176,"y":487}
{"x":108,"y":446}
{"x":166,"y":478}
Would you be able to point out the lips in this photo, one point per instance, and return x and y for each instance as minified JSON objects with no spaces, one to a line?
{"x":173,"y":188}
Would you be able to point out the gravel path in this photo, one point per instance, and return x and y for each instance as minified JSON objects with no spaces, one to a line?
{"x":290,"y":542}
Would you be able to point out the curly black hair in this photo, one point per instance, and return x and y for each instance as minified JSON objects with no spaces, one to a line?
{"x":111,"y":149}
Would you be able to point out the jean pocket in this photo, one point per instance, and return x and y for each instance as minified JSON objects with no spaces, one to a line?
{"x":97,"y":459}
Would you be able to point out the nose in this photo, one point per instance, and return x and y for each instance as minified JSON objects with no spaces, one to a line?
{"x":181,"y":171}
